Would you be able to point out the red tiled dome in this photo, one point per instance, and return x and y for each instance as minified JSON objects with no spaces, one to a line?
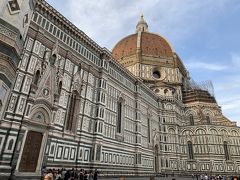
{"x":150,"y":45}
{"x":125,"y":47}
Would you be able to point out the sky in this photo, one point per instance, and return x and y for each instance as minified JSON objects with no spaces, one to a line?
{"x":205,"y":34}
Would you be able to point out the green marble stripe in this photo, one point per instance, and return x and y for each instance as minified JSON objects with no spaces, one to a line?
{"x":5,"y":80}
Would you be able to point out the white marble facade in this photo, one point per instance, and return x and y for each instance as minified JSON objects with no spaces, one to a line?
{"x":91,"y":112}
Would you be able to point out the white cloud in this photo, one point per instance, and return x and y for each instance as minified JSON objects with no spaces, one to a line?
{"x":229,"y":86}
{"x":106,"y":21}
{"x":208,"y":66}
{"x":230,"y":104}
{"x":235,"y":59}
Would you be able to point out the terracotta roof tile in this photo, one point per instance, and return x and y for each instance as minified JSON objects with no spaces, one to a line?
{"x":151,"y":44}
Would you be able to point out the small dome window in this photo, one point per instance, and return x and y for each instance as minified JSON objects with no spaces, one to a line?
{"x":165,"y":91}
{"x":157,"y":90}
{"x":156,"y":73}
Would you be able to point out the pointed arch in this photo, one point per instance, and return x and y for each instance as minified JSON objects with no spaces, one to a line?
{"x":190,"y":149}
{"x":53,"y":59}
{"x":120,"y":114}
{"x":208,"y":119}
{"x":52,"y":149}
{"x":166,"y":162}
{"x":156,"y":150}
{"x":149,"y":130}
{"x":10,"y":145}
{"x":226,"y":152}
{"x":59,"y":87}
{"x":41,"y":114}
{"x":191,"y":120}
{"x":36,"y":77}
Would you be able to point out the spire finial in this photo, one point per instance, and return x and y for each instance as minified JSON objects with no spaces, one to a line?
{"x":142,"y":26}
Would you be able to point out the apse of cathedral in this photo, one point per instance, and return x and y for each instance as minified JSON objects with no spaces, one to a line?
{"x":67,"y":102}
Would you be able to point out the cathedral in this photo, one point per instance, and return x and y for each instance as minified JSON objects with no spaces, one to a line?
{"x":67,"y":102}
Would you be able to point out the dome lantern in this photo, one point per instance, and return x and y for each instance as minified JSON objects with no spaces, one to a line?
{"x":142,"y":25}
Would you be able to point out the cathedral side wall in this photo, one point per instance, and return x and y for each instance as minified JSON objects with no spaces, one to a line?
{"x":87,"y":111}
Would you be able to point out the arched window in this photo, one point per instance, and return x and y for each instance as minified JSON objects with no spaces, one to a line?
{"x":166,"y":163}
{"x":149,"y":131}
{"x":52,"y":149}
{"x":165,"y":91}
{"x":53,"y":59}
{"x":156,"y":150}
{"x":36,"y":78}
{"x":156,"y":73}
{"x":190,"y":149}
{"x":73,"y":111}
{"x":162,"y":162}
{"x":119,"y":116}
{"x":191,"y":120}
{"x":98,"y":152}
{"x":226,"y":153}
{"x":208,"y":119}
{"x":10,"y":145}
{"x":79,"y":67}
{"x":95,"y":127}
{"x":60,"y":87}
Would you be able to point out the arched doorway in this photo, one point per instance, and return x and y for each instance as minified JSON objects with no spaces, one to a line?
{"x":32,"y":152}
{"x":156,"y":158}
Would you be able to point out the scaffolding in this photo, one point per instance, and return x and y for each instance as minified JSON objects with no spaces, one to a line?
{"x":205,"y":86}
{"x":201,"y":92}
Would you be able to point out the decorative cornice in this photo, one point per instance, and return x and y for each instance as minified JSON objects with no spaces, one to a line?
{"x":7,"y":66}
{"x":47,"y":10}
{"x":10,"y":38}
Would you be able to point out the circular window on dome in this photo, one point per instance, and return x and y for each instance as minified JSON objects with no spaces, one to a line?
{"x":157,"y":90}
{"x":156,"y":73}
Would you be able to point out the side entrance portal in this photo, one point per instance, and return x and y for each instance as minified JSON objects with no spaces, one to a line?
{"x":31,"y":151}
